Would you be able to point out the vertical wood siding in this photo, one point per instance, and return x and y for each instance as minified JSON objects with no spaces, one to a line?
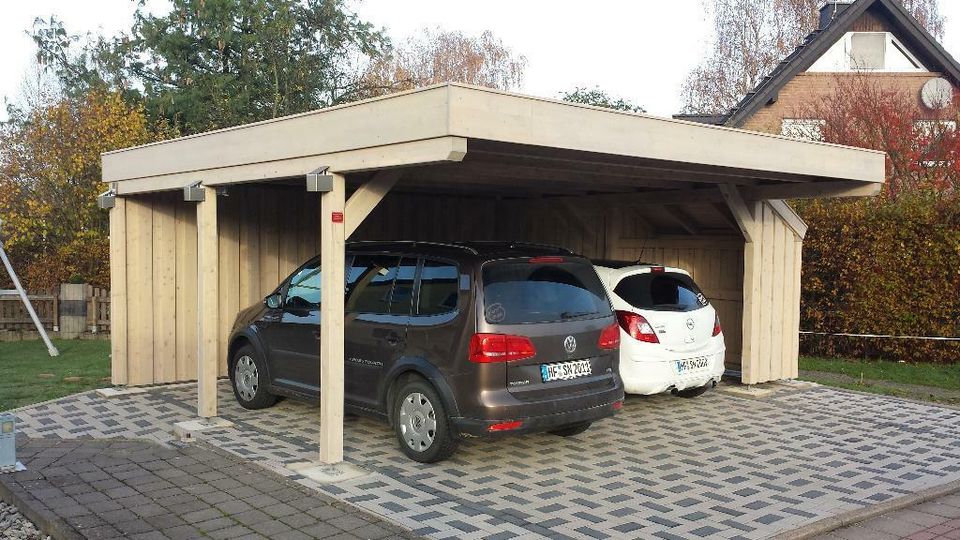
{"x":266,"y":232}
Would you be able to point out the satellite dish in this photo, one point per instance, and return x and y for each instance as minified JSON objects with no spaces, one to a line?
{"x":937,"y":94}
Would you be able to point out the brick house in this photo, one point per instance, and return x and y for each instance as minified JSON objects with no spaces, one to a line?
{"x":873,"y":38}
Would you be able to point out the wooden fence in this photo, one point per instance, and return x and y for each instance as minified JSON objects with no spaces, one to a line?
{"x":14,"y":316}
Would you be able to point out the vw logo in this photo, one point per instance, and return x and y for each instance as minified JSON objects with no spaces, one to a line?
{"x":570,"y":344}
{"x":690,"y":324}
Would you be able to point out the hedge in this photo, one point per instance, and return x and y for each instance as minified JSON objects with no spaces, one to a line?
{"x":882,"y":266}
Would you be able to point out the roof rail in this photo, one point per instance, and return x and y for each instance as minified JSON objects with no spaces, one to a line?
{"x":411,"y":243}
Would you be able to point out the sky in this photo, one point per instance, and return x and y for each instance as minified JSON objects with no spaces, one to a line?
{"x":639,"y":50}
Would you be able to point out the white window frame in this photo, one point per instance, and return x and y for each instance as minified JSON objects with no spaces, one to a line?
{"x":808,"y":129}
{"x":839,"y":58}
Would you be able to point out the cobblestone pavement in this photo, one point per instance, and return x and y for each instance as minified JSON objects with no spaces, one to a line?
{"x":718,"y":465}
{"x":140,"y":490}
{"x":937,"y":519}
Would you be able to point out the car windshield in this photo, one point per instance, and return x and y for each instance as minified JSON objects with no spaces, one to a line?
{"x":522,"y":291}
{"x":667,"y":291}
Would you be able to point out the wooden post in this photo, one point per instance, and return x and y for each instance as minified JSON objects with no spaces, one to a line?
{"x":332,"y":261}
{"x":208,"y":353}
{"x":118,"y":292}
{"x":749,"y":218}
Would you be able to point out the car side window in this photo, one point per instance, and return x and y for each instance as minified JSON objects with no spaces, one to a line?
{"x":370,"y":283}
{"x":303,"y":292}
{"x":439,"y":288}
{"x":401,"y":302}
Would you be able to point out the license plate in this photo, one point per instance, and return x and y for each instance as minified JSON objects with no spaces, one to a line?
{"x":691,"y":365}
{"x":565,"y":370}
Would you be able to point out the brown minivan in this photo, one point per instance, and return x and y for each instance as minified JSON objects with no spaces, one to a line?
{"x":444,"y":341}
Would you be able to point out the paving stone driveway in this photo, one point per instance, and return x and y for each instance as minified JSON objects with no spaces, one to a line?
{"x":666,"y":467}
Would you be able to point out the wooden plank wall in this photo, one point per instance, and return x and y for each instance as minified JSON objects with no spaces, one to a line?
{"x":266,"y":232}
{"x":779,"y":301}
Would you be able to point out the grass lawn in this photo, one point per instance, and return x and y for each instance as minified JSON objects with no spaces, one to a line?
{"x":930,"y":382}
{"x":30,"y":375}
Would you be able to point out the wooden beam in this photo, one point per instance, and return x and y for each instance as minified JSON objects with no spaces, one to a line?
{"x":813,"y":190}
{"x":208,"y":294}
{"x":724,"y":212}
{"x":597,"y":165}
{"x":746,"y":220}
{"x":367,"y":197}
{"x":795,"y":222}
{"x":118,"y":292}
{"x":682,"y":218}
{"x":332,"y":261}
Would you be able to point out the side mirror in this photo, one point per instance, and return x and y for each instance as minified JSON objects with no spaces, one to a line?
{"x":273,"y":301}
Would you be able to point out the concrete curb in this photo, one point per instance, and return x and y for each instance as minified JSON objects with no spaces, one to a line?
{"x":852,"y":517}
{"x":48,"y":522}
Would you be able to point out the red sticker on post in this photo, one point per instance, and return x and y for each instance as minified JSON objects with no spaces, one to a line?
{"x":337,"y":217}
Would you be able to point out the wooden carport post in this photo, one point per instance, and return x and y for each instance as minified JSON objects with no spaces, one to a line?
{"x":335,"y":227}
{"x":332,"y":280}
{"x":747,"y":220}
{"x":208,"y":294}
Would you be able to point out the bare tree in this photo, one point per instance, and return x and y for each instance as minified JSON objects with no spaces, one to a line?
{"x":752,"y":36}
{"x":440,"y":56}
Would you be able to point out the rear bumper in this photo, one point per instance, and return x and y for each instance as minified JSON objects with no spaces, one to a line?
{"x":653,"y":377}
{"x":480,"y":428}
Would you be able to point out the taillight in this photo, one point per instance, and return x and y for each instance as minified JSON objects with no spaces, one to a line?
{"x":609,"y":338}
{"x":487,"y":348}
{"x":716,"y":326}
{"x":637,"y":327}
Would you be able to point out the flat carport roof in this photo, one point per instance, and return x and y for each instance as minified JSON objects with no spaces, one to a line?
{"x":500,"y":137}
{"x":465,"y":140}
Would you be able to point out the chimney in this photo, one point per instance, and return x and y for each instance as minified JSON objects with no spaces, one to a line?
{"x":831,"y":10}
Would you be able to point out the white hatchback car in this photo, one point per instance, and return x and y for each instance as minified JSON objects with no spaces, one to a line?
{"x":670,"y":335}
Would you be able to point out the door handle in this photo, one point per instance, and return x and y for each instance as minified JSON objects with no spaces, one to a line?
{"x":316,"y":334}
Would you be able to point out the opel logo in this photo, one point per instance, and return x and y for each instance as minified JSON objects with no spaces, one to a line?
{"x":570,"y":344}
{"x":690,"y":324}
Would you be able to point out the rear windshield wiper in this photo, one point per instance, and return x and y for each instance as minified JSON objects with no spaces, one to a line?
{"x":575,"y":314}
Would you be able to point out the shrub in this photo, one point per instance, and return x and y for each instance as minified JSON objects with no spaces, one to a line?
{"x":883,"y":266}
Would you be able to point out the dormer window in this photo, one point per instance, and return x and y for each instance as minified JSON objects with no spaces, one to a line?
{"x":868,"y":51}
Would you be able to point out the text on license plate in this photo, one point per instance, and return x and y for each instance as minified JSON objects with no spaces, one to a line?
{"x":691,"y":364}
{"x":565,"y":370}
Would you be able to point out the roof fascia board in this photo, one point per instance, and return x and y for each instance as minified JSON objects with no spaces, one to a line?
{"x":439,"y":150}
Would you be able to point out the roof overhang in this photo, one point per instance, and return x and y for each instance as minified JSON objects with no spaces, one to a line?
{"x":491,"y":137}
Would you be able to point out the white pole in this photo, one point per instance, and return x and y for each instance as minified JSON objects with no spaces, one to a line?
{"x":26,"y":302}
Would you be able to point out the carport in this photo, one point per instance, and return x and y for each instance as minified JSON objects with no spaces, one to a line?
{"x":452,"y":162}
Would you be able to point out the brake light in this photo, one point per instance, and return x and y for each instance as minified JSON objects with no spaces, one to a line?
{"x":716,"y":326}
{"x":657,"y":269}
{"x":637,"y":327}
{"x":545,"y":260}
{"x":609,"y":338}
{"x":490,"y":348}
{"x":505,"y":426}
{"x":617,"y":405}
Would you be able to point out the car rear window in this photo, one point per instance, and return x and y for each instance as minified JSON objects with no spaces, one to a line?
{"x":519,"y":291}
{"x":669,"y":291}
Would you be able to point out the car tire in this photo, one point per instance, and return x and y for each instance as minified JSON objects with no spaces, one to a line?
{"x":571,"y":430}
{"x":248,"y":379}
{"x":417,"y":408}
{"x":693,"y":392}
